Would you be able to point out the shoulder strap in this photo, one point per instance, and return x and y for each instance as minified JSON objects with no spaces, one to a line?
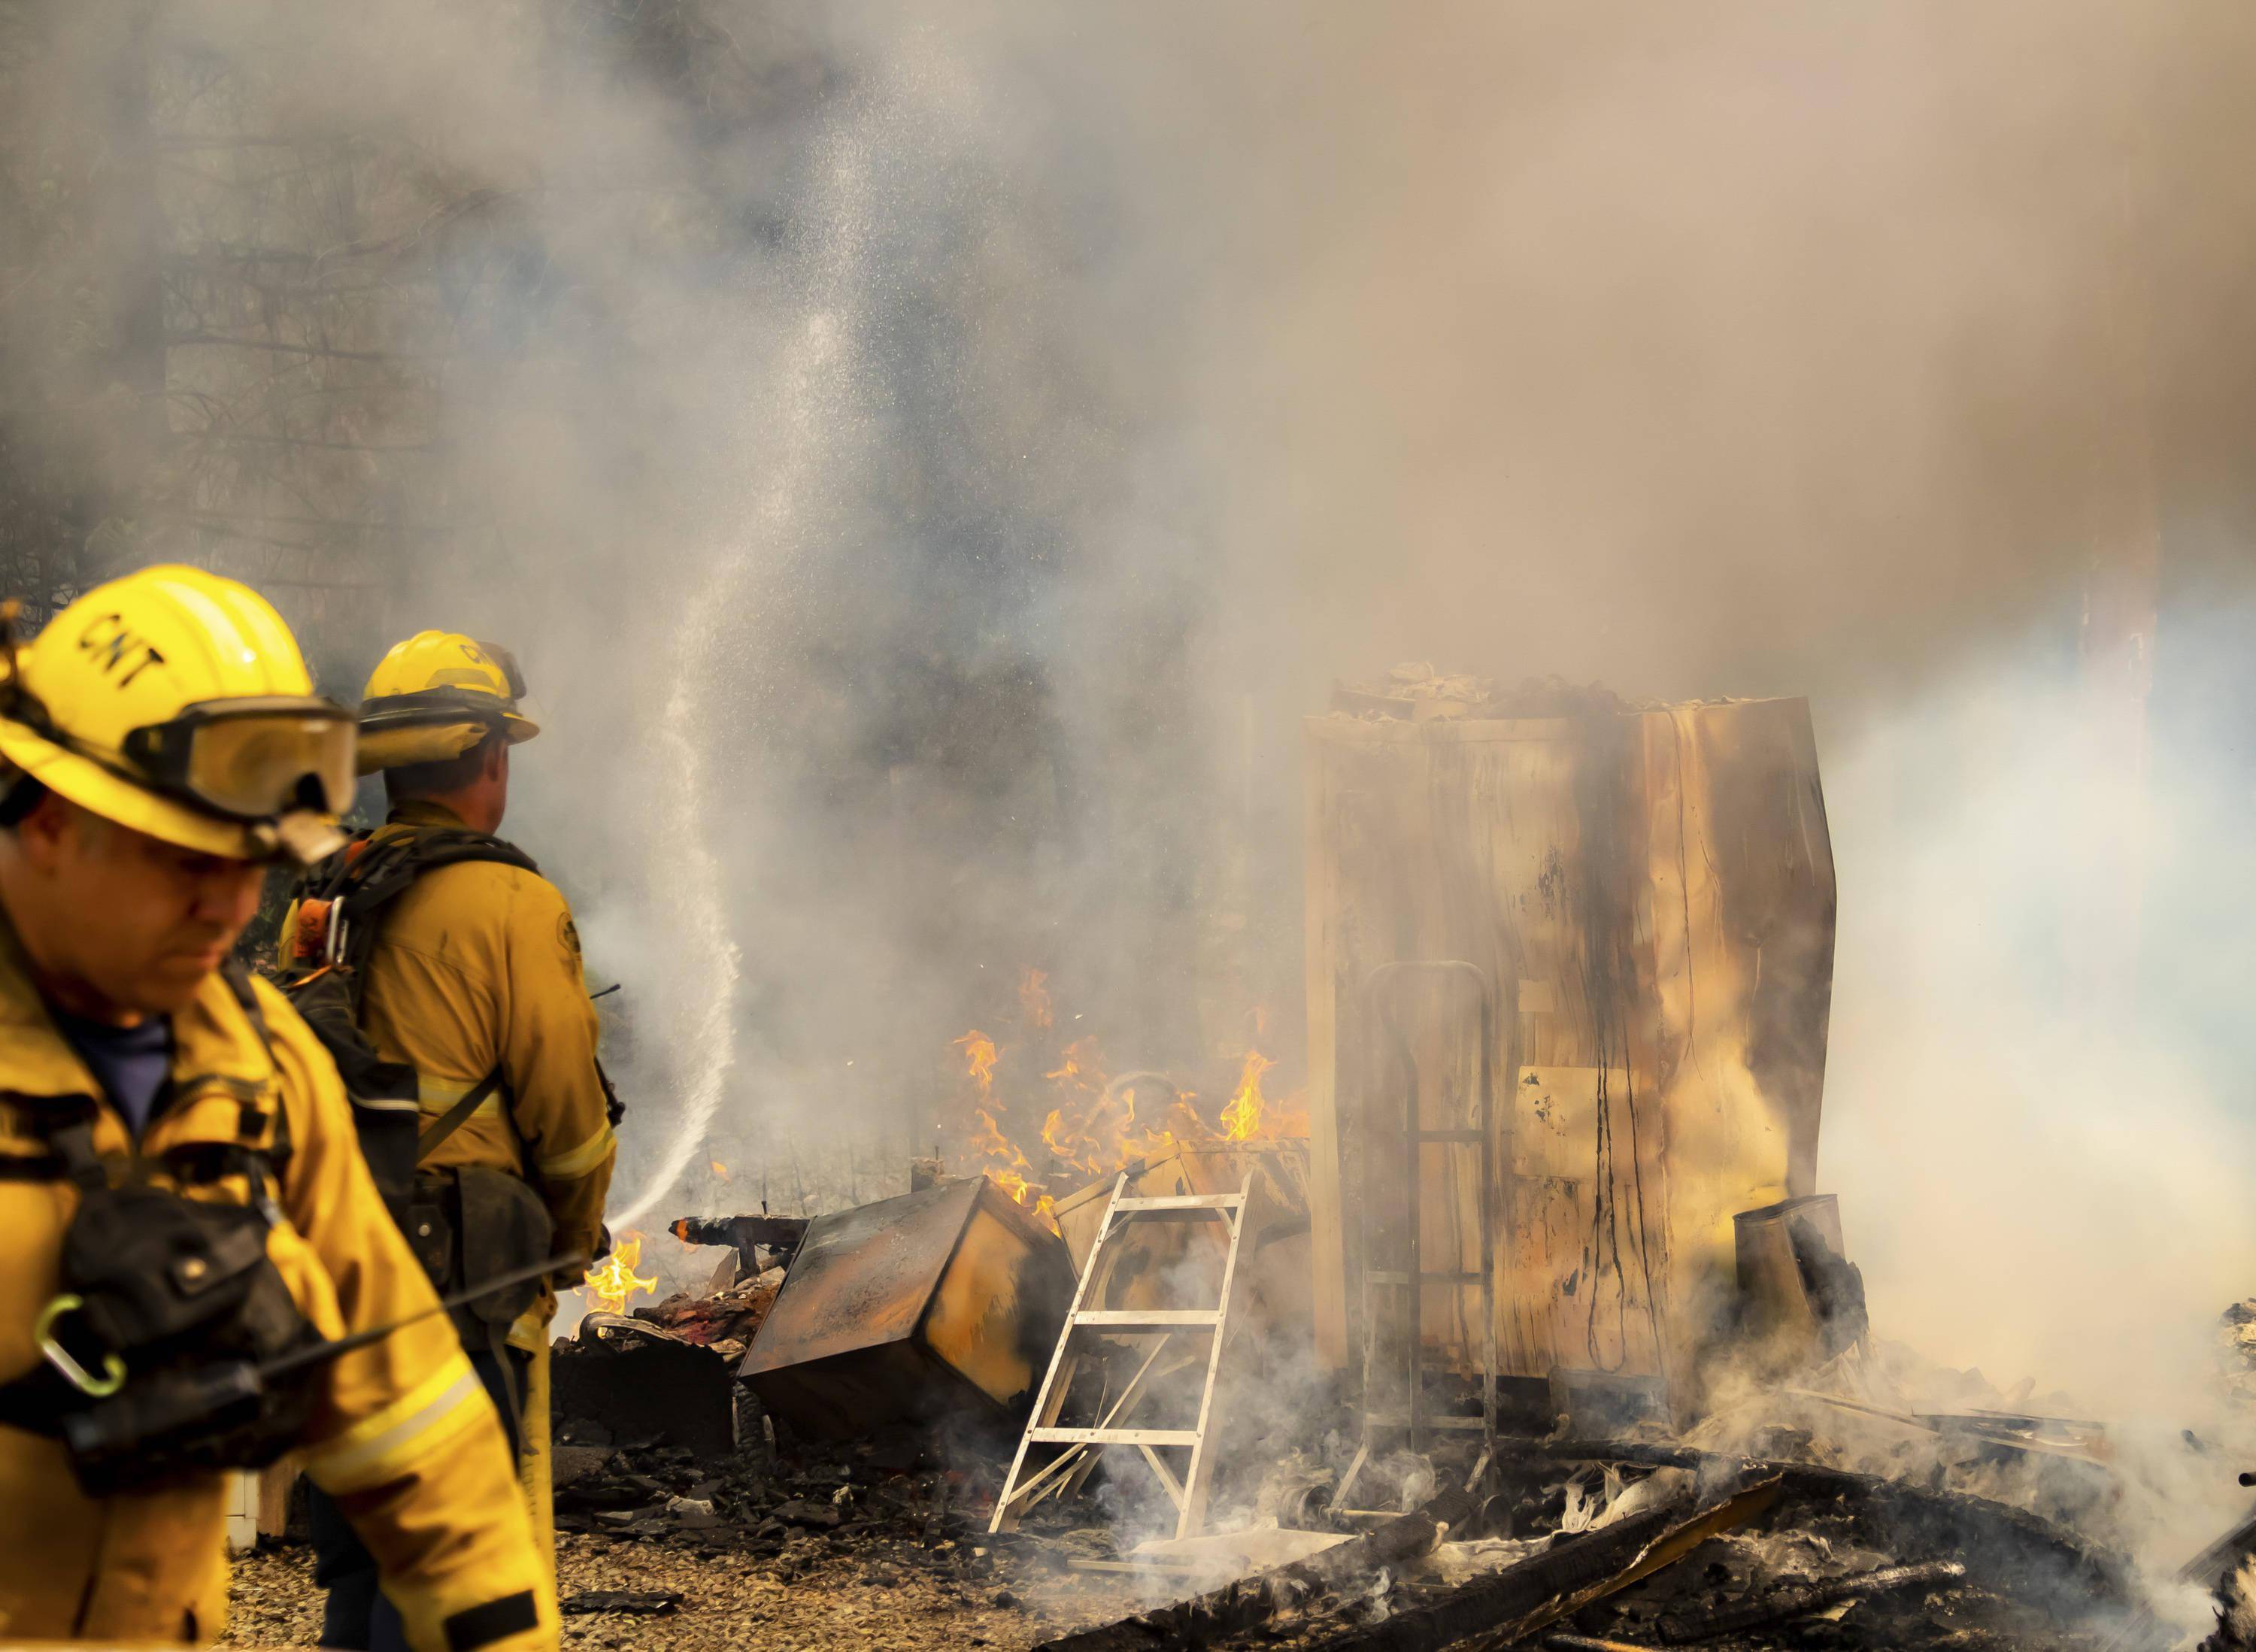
{"x":387,"y":869}
{"x":69,"y":1131}
{"x":456,"y":1116}
{"x":364,"y":879}
{"x":239,"y":983}
{"x":367,"y":881}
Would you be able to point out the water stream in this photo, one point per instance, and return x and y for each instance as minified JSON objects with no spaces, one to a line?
{"x":795,"y":459}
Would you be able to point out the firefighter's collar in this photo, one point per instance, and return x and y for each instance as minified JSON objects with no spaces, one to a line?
{"x":211,"y":1036}
{"x":424,"y":811}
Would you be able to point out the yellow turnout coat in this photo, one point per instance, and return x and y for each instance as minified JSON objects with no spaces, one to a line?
{"x":403,"y":1436}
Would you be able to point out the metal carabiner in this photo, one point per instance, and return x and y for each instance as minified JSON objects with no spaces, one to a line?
{"x":113,"y":1368}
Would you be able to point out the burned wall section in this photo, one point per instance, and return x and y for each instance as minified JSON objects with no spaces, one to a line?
{"x":1650,"y":896}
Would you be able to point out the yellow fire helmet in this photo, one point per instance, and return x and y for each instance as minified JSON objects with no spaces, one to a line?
{"x":436,"y":696}
{"x":175,"y":702}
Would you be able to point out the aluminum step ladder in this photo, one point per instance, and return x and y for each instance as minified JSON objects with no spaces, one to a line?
{"x":1071,"y":1467}
{"x":1413,"y":1421}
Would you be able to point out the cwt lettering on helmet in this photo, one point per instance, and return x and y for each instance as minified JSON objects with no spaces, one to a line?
{"x":115,"y":649}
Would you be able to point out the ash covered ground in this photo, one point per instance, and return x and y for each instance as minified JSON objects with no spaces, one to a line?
{"x":882,"y":1541}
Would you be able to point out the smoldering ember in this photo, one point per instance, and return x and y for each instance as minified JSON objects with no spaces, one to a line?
{"x":1183,"y":825}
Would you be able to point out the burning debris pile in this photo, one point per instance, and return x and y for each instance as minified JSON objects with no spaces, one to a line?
{"x":1843,"y":1495}
{"x":1040,"y":1115}
{"x":1524,"y":1324}
{"x":1560,"y":1543}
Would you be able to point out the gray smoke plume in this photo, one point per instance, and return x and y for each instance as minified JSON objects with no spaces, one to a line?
{"x":928,"y":460}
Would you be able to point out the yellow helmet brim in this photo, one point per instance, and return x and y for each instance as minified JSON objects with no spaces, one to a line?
{"x":394,"y":748}
{"x":85,"y":782}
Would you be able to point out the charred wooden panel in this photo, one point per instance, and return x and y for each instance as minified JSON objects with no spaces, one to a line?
{"x":1651,"y":895}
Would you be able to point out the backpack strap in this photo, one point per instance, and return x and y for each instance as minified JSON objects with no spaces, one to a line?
{"x":456,"y":1116}
{"x":366,"y":882}
{"x":67,"y":1123}
{"x":362,"y":881}
{"x":276,"y":1152}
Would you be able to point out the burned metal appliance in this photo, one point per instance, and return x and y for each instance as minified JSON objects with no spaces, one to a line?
{"x":941,"y":1301}
{"x":1801,"y":1300}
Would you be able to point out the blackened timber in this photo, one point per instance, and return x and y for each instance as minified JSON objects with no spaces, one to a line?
{"x":1809,"y":1598}
{"x":2009,"y":1550}
{"x":1531,"y":1595}
{"x":1240,"y":1605}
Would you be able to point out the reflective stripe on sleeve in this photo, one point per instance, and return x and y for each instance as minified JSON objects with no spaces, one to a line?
{"x":579,"y":1160}
{"x":438,"y":1094}
{"x":378,"y":1447}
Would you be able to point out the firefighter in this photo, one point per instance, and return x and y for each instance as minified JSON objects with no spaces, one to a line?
{"x":191,"y":1239}
{"x":465,"y":967}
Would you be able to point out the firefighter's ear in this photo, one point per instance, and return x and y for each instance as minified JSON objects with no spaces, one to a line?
{"x":42,"y":828}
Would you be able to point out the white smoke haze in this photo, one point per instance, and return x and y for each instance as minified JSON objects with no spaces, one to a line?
{"x":2031,"y":1190}
{"x":928,"y":458}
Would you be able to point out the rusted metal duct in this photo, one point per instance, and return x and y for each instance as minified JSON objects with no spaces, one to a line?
{"x":1802,"y":1300}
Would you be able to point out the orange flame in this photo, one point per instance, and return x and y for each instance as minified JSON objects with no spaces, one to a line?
{"x":1089,"y":1127}
{"x":612,"y":1286}
{"x":1241,"y":1120}
{"x":979,"y":1053}
{"x":1054,"y":1137}
{"x":1081,"y":1056}
{"x":720,"y":1169}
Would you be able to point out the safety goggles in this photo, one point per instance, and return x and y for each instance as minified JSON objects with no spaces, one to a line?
{"x":507,"y":662}
{"x":425,"y":705}
{"x":251,"y":760}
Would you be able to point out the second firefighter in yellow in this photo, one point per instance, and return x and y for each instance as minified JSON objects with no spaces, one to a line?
{"x":476,"y":969}
{"x":474,"y":979}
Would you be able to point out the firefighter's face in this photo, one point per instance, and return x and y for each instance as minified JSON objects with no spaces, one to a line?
{"x":134,"y":921}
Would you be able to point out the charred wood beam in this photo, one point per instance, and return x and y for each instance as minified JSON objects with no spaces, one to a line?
{"x":1511,"y":1605}
{"x":1683,"y":1629}
{"x":1240,"y":1605}
{"x":2208,"y":1568}
{"x":2010,"y":1549}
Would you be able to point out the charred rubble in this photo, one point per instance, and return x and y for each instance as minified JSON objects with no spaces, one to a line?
{"x":1549,"y":1537}
{"x":1532,"y":1328}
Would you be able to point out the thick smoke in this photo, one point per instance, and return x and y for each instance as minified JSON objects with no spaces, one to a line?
{"x":929,"y":460}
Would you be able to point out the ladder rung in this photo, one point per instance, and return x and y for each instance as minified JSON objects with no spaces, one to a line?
{"x":1397,"y":1420}
{"x":1113,"y":1436}
{"x":1151,"y":1318}
{"x":1396,"y":1276}
{"x":1450,"y":1135}
{"x":1182,"y":1202}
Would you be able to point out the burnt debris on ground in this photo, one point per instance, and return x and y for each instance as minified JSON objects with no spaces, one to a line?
{"x":689,"y":1514}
